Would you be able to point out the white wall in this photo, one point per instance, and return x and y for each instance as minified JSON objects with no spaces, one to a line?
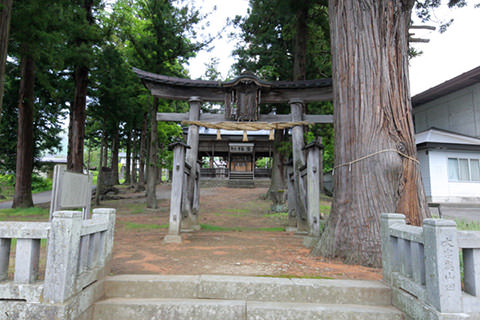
{"x":458,"y":112}
{"x":425,"y":172}
{"x":443,"y":190}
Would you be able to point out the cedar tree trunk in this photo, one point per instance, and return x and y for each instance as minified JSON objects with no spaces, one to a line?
{"x":77,"y":110}
{"x":134,"y":158}
{"x":114,"y":156}
{"x":152,"y":157}
{"x":128,"y":161}
{"x":372,"y":117}
{"x":100,"y":171}
{"x":77,"y":118}
{"x":301,"y":36}
{"x":5,"y":16}
{"x":24,"y":167}
{"x":143,"y":153}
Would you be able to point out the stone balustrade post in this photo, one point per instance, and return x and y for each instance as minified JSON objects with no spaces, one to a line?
{"x":5,"y":244}
{"x":442,"y":265}
{"x":27,"y":256}
{"x":108,"y":215}
{"x":471,"y":267}
{"x":389,"y":258}
{"x":62,"y":256}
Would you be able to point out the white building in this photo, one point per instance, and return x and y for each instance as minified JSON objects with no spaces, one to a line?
{"x":447,"y":122}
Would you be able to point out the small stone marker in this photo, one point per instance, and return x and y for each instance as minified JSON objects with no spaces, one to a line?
{"x":70,"y":190}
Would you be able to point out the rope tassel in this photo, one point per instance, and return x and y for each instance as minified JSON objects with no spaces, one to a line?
{"x":219,"y":136}
{"x":245,"y":137}
{"x":271,"y":136}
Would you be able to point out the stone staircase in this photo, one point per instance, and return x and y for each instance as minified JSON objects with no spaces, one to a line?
{"x":241,"y":180}
{"x":237,"y":297}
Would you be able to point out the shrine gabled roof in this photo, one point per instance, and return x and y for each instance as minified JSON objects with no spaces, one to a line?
{"x":272,"y":92}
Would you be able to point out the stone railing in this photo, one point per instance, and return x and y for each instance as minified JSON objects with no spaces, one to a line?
{"x":78,"y":254}
{"x":422,"y":265}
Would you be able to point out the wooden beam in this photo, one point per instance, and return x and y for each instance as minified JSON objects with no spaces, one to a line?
{"x":273,"y":118}
{"x":284,"y":95}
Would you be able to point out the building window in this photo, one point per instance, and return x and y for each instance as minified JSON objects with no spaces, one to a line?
{"x":460,"y":169}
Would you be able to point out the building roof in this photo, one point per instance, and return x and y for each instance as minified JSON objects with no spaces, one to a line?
{"x":438,"y":136}
{"x":53,"y":159}
{"x":459,"y":82}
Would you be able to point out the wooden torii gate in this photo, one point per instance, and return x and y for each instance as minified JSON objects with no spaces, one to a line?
{"x":241,"y":97}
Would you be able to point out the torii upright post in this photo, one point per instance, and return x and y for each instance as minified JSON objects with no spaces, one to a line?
{"x":173,"y":235}
{"x":296,"y":106}
{"x":314,"y":172}
{"x":292,"y":199}
{"x":190,"y":216}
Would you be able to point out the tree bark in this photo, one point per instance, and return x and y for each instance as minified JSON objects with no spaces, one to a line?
{"x":134,"y":158}
{"x":152,"y":157}
{"x":372,"y":117}
{"x":143,"y":153}
{"x":5,"y":16}
{"x":128,"y":160}
{"x":277,"y":184}
{"x":105,"y":153}
{"x":25,"y":144}
{"x":114,"y":156}
{"x":301,"y":36}
{"x":77,"y":110}
{"x":100,"y":171}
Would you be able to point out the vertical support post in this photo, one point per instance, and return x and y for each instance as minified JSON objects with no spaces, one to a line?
{"x":418,"y":262}
{"x":442,"y":265}
{"x":388,"y":255}
{"x":196,"y":190}
{"x":83,"y":254}
{"x":313,"y":189}
{"x":405,"y":257}
{"x":4,"y":257}
{"x":58,"y":172}
{"x":298,"y":143}
{"x":471,"y":267}
{"x":93,"y":250}
{"x":106,"y":214}
{"x":88,"y":200}
{"x":173,"y":235}
{"x":292,"y":199}
{"x":190,"y":217}
{"x":62,"y":256}
{"x":26,"y":260}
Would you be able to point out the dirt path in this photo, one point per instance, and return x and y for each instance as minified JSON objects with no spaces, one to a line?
{"x":238,"y":237}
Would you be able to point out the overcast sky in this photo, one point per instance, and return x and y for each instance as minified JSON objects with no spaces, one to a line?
{"x":446,"y":56}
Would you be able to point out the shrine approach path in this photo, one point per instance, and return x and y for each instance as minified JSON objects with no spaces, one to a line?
{"x":239,"y":236}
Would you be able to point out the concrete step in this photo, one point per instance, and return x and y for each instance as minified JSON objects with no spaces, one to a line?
{"x":211,"y":309}
{"x":241,"y":175}
{"x":234,"y":183}
{"x":359,"y":292}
